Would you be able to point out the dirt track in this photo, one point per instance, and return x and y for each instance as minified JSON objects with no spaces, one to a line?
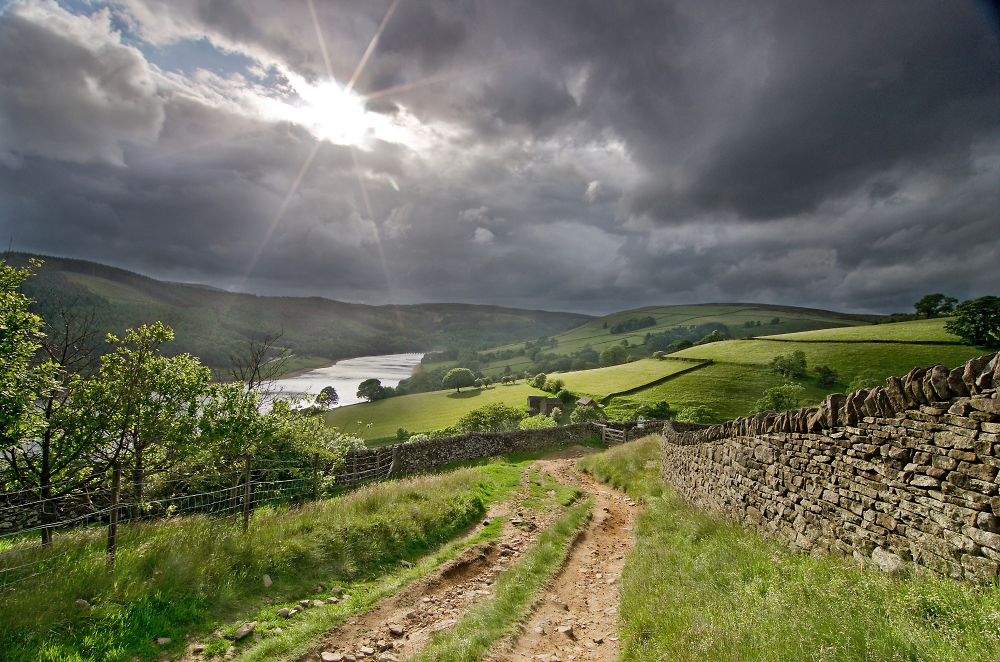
{"x":582,"y":596}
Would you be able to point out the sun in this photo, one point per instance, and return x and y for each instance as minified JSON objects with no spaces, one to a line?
{"x":328,"y":111}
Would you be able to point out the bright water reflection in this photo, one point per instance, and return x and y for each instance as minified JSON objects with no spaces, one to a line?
{"x":345,"y":376}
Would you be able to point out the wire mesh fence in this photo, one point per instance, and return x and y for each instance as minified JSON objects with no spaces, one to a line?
{"x":39,"y":535}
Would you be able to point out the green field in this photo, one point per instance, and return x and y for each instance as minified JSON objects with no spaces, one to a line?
{"x":601,"y":382}
{"x":421,"y":412}
{"x":919,"y":330}
{"x":734,"y":316}
{"x":740,"y":374}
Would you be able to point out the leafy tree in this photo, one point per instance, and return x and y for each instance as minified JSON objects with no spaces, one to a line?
{"x":58,"y":461}
{"x":678,"y":345}
{"x":790,"y":366}
{"x":153,"y":402}
{"x":826,"y":375}
{"x":553,"y":385}
{"x":977,"y":321}
{"x":776,"y":320}
{"x":538,"y":381}
{"x":402,"y":434}
{"x":780,"y":398}
{"x":565,"y":396}
{"x":496,"y":417}
{"x":457,"y":378}
{"x":659,"y":355}
{"x":696,"y":414}
{"x":537,"y":422}
{"x":21,"y":381}
{"x":587,"y":414}
{"x":714,"y":336}
{"x":506,"y":369}
{"x":327,"y":397}
{"x":933,"y":305}
{"x":613,"y":355}
{"x":372,"y":389}
{"x":555,"y":413}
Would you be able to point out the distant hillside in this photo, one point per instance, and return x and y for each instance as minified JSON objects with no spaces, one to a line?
{"x":664,"y":323}
{"x":213,"y":324}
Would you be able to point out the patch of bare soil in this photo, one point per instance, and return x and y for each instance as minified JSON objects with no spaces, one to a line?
{"x":402,"y":623}
{"x":573,"y":620}
{"x":576,"y":617}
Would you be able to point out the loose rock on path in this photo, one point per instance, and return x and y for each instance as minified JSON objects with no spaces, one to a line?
{"x":574,"y":619}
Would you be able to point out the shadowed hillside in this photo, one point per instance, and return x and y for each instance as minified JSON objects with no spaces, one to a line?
{"x":213,"y":324}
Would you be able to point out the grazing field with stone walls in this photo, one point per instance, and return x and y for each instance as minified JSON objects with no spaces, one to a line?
{"x":904,"y":475}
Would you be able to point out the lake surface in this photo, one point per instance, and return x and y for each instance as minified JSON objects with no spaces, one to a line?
{"x":345,"y":376}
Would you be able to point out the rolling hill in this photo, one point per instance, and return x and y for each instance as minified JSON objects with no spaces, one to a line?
{"x":213,"y":324}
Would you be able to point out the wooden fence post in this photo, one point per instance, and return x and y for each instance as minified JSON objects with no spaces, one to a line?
{"x":246,"y":495}
{"x":315,"y":476}
{"x":116,"y":487}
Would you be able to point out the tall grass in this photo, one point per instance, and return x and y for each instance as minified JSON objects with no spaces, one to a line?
{"x":698,"y":588}
{"x":471,"y":639}
{"x":192,"y":572}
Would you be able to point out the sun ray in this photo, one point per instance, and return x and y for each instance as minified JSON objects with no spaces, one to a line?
{"x":371,"y":219}
{"x":371,"y":47}
{"x":322,"y":41}
{"x":281,"y":212}
{"x":430,"y":80}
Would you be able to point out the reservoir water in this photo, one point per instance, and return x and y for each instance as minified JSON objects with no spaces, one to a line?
{"x":345,"y":375}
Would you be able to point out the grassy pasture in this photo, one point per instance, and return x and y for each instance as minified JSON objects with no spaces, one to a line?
{"x":434,"y":410}
{"x":696,"y":588}
{"x":729,"y":390}
{"x":848,"y":359}
{"x":917,"y":330}
{"x":732,"y":385}
{"x":600,"y":382}
{"x":734,"y":316}
{"x":198,"y":573}
{"x":421,"y":412}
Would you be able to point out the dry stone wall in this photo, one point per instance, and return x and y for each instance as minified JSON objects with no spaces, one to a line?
{"x":364,"y":464}
{"x":904,"y":475}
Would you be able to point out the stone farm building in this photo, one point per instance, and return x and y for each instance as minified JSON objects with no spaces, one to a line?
{"x":539,"y":404}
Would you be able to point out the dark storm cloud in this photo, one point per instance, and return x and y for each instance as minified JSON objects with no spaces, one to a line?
{"x":567,"y":154}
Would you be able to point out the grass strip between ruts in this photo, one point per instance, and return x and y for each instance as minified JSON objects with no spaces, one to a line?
{"x":494,"y":617}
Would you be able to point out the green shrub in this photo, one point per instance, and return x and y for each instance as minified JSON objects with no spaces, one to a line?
{"x":696,"y":414}
{"x":586,"y":414}
{"x":496,"y":417}
{"x":793,"y":365}
{"x":780,"y":398}
{"x":537,"y":422}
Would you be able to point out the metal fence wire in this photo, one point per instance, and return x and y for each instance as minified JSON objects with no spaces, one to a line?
{"x":39,"y":535}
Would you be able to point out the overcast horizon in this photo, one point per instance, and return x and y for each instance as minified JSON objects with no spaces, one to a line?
{"x":563,"y":155}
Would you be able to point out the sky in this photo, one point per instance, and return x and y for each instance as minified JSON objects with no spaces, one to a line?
{"x":577,"y":155}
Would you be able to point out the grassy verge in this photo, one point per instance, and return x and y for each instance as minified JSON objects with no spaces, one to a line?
{"x":194,"y":573}
{"x":493,"y":618}
{"x":698,"y":588}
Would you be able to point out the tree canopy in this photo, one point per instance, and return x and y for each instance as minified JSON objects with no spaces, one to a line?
{"x":371,"y":390}
{"x":977,"y":321}
{"x":613,"y":355}
{"x":457,"y":378}
{"x":933,"y":305}
{"x":327,"y":397}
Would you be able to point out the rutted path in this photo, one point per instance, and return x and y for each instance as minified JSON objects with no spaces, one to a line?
{"x":583,"y":595}
{"x":576,"y":618}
